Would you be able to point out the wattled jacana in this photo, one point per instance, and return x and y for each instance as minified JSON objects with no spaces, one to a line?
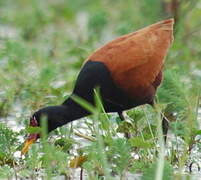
{"x":128,"y":71}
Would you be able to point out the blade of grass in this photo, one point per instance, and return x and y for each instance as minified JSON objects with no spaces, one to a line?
{"x":45,"y":147}
{"x":161,"y":160}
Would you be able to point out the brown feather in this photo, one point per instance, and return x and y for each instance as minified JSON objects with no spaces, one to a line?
{"x":136,"y":59}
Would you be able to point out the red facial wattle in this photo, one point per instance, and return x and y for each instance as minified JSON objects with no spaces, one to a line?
{"x":32,"y":137}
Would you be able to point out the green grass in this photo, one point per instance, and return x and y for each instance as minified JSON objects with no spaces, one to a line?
{"x":42,"y":47}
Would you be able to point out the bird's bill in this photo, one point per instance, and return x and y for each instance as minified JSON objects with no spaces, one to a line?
{"x":30,"y":140}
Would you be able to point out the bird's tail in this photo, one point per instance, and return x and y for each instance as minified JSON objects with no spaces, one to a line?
{"x":163,"y":28}
{"x":166,"y":25}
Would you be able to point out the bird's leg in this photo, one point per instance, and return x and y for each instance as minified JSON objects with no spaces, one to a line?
{"x":165,"y":126}
{"x":165,"y":123}
{"x":121,"y":116}
{"x":127,"y":134}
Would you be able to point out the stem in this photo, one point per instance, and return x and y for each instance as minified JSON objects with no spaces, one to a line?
{"x":71,"y":129}
{"x":15,"y":172}
{"x":81,"y":174}
{"x":101,"y":148}
{"x":161,"y":161}
{"x":84,"y":136}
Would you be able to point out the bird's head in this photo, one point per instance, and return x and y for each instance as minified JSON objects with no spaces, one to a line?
{"x":31,"y":137}
{"x":54,"y":116}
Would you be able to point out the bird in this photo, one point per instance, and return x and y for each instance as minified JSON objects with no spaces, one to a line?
{"x":128,"y":70}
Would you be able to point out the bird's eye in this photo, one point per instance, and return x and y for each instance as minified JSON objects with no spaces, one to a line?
{"x":33,"y":122}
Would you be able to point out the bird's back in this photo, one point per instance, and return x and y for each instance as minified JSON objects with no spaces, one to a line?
{"x":135,"y":60}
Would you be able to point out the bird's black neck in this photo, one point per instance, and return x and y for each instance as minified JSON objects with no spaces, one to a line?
{"x":74,"y":110}
{"x":58,"y":116}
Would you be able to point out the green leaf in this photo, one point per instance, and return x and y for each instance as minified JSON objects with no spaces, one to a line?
{"x":149,"y":173}
{"x":140,"y":143}
{"x":64,"y":144}
{"x":6,"y":172}
{"x":33,"y":129}
{"x":198,"y":132}
{"x":124,"y":127}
